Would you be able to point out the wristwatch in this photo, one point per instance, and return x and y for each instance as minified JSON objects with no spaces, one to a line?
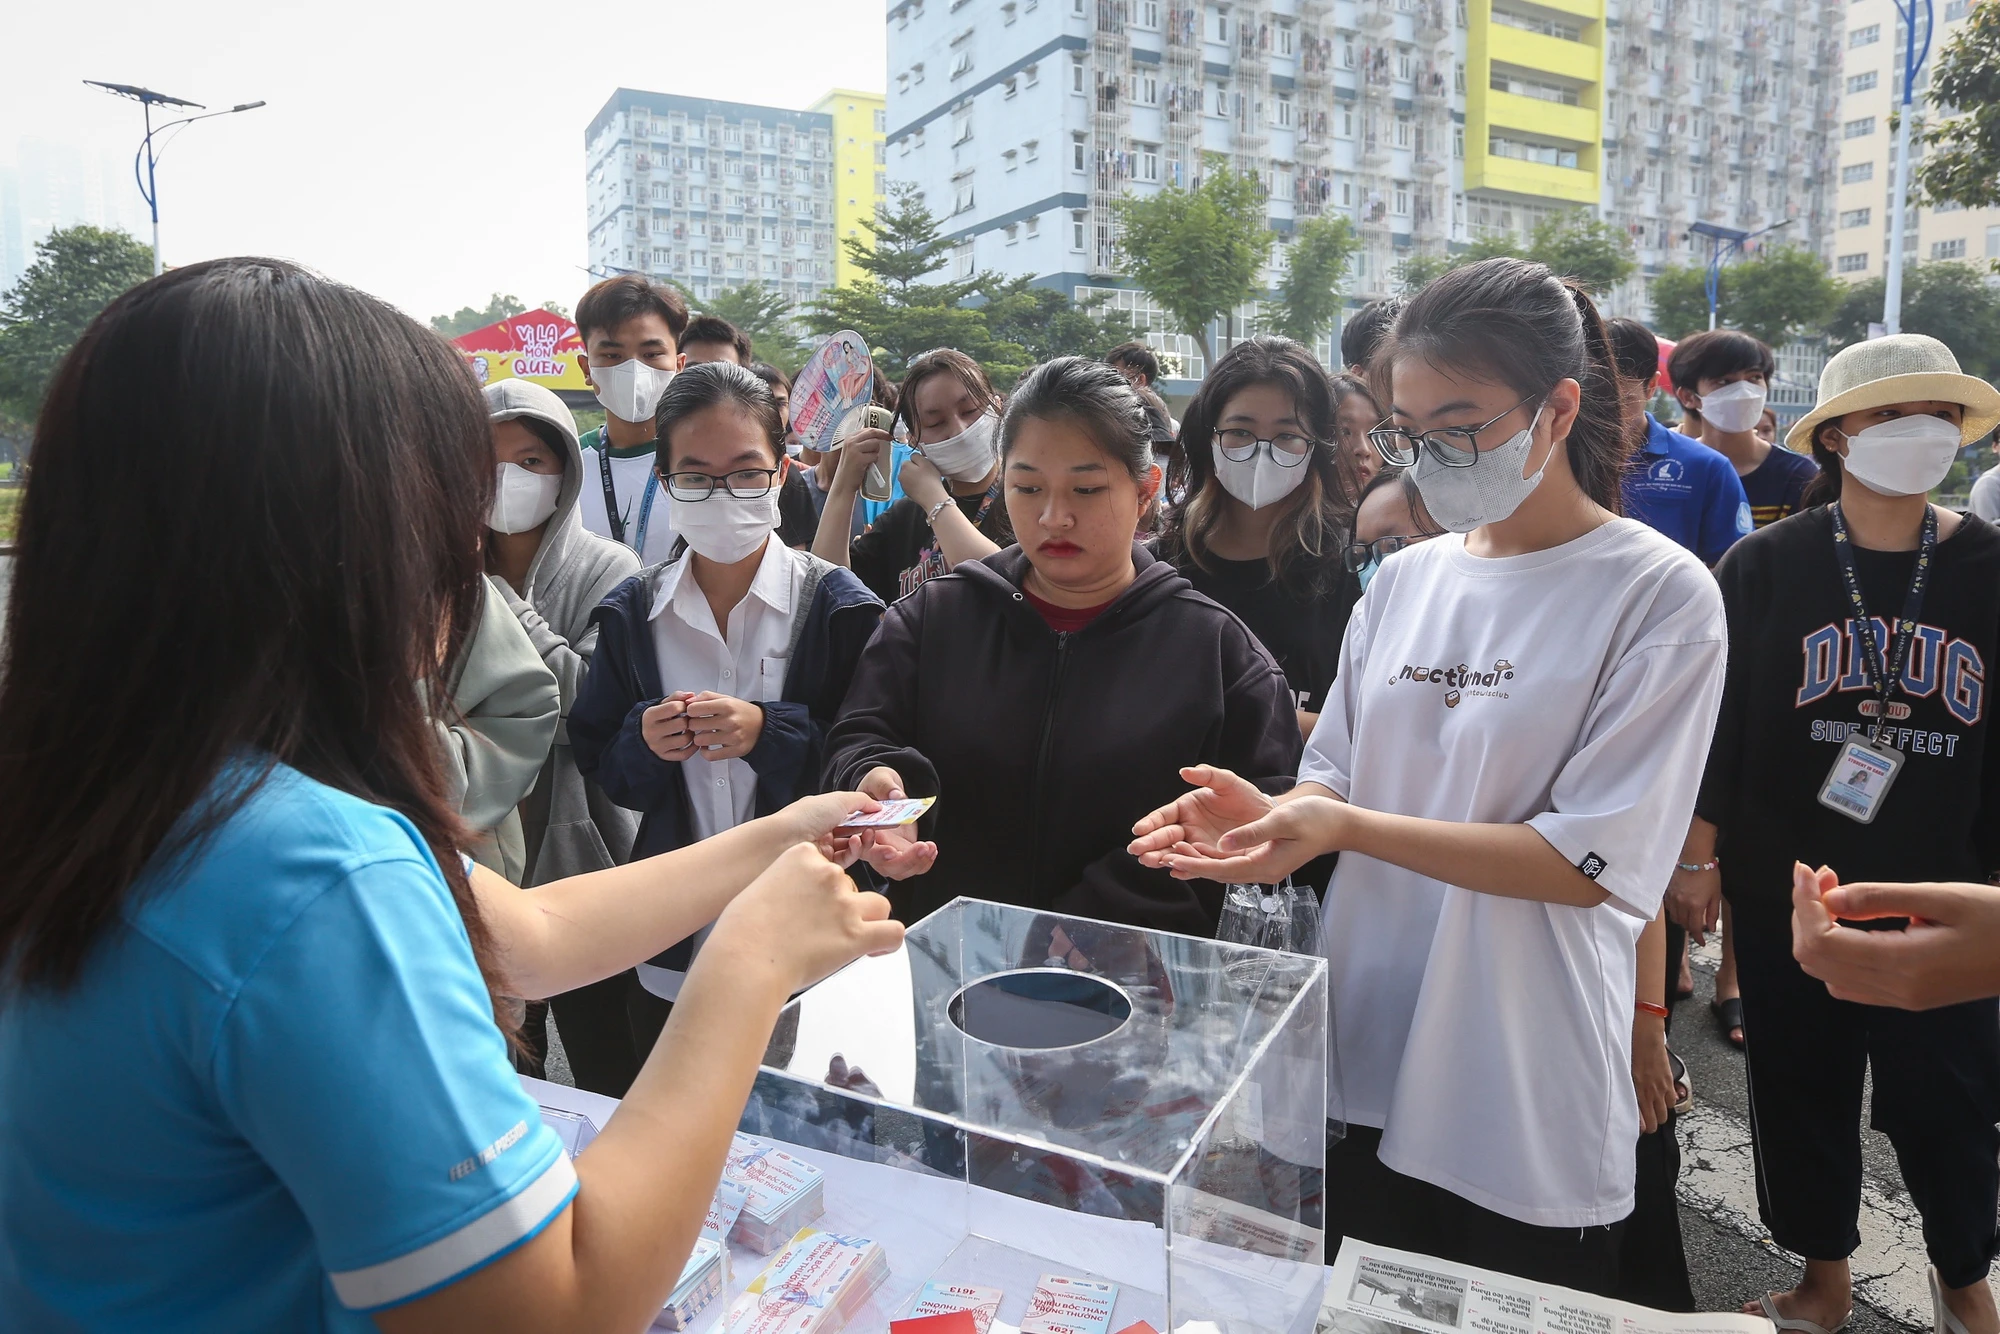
{"x":930,"y":515}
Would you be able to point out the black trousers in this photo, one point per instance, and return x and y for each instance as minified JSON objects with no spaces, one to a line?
{"x":1370,"y":1202}
{"x":1652,"y":1262}
{"x":1936,"y":1096}
{"x":608,"y":1028}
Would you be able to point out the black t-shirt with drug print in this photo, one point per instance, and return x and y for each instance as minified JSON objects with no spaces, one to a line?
{"x":1797,"y":678}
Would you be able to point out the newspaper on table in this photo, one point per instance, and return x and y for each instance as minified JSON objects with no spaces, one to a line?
{"x":1381,"y":1290}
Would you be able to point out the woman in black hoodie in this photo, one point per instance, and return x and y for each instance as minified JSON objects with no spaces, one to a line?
{"x":1050,"y":694}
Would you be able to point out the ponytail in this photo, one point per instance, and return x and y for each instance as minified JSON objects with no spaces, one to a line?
{"x":1523,"y":326}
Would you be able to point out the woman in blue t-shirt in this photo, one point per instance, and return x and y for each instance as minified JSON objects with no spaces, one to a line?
{"x":250,"y":1071}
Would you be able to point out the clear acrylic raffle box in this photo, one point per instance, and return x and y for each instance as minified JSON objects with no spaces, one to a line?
{"x":1017,"y":1093}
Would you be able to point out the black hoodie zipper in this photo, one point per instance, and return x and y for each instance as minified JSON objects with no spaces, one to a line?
{"x":1042,"y":764}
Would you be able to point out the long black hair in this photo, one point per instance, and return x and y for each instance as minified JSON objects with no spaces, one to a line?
{"x":1516,"y":322}
{"x":251,"y":536}
{"x":1307,"y":544}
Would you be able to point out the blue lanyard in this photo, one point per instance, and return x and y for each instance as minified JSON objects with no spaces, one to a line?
{"x":646,"y":512}
{"x":613,"y":519}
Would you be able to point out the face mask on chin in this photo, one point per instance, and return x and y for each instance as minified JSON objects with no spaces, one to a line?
{"x":1734,"y":408}
{"x":722,"y":528}
{"x":1905,"y":457}
{"x":1462,"y":499}
{"x":631,"y":390}
{"x":521,"y":499}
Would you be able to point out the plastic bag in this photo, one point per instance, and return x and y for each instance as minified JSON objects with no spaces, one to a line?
{"x":1273,"y":917}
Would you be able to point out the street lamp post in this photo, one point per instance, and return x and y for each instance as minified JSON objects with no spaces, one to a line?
{"x":1913,"y":62}
{"x":1722,"y":243}
{"x":146,"y":162}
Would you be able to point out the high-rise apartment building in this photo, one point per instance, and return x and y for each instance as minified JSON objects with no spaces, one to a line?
{"x":1428,"y":122}
{"x":712,"y":194}
{"x":859,"y":168}
{"x":1719,"y":111}
{"x":1871,"y":89}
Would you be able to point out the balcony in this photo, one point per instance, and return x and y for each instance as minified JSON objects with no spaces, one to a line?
{"x":1551,"y":120}
{"x":1531,"y":50}
{"x":1485,"y":171}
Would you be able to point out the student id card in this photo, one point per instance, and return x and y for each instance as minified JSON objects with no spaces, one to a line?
{"x":902,"y":811}
{"x":1860,"y":778}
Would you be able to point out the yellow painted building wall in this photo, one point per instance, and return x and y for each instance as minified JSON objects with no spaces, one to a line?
{"x":1489,"y":112}
{"x":858,"y":167}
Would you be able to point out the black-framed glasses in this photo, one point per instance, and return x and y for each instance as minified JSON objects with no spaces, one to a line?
{"x":1240,"y":446}
{"x":743,"y":484}
{"x":1451,"y":446}
{"x":1359,"y":554}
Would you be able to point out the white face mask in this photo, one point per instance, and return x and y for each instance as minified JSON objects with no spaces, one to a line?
{"x":1904,"y":457}
{"x":969,"y":455}
{"x":630,"y":390}
{"x":522,"y":499}
{"x":1259,"y":480}
{"x":1734,"y":407}
{"x":722,"y":528}
{"x":1463,"y":499}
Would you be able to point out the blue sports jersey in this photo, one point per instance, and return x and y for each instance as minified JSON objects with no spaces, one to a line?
{"x":276,"y":1098}
{"x":1683,"y":490}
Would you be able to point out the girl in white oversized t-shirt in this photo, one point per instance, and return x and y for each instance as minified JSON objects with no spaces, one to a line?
{"x":1520,"y":720}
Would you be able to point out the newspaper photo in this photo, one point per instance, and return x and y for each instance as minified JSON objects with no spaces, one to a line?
{"x":1381,"y":1290}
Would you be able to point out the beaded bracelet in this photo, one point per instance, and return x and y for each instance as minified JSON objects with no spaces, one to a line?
{"x":1697,"y":866}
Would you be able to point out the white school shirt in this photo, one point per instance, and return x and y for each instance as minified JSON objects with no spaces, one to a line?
{"x":1574,"y":690}
{"x":750,"y":665}
{"x":628,"y":483}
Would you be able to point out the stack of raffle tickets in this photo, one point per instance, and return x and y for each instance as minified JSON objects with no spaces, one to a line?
{"x":814,"y":1286}
{"x":782,"y":1193}
{"x":704,"y":1278}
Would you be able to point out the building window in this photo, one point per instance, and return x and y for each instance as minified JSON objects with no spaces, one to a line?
{"x":1033,"y":75}
{"x":1009,"y":87}
{"x":1034,"y":227}
{"x":1076,"y":229}
{"x":1948,"y":249}
{"x":1867,"y":36}
{"x":1076,"y":74}
{"x":1523,"y":151}
{"x":1221,"y":100}
{"x":1032,"y":149}
{"x":1402,"y":131}
{"x":1856,"y":217}
{"x":1284,"y":39}
{"x":1346,"y":130}
{"x":961,"y":126}
{"x":1149,"y":162}
{"x":1993,"y":243}
{"x":1008,"y":159}
{"x":1149,"y":90}
{"x":1860,"y":83}
{"x":961,"y":193}
{"x":1221,"y":30}
{"x":1149,"y":13}
{"x":1281,"y":111}
{"x":1403,"y":66}
{"x":1402,"y":202}
{"x":1013,"y":233}
{"x":1077,"y":152}
{"x":961,"y":64}
{"x":1007,"y":15}
{"x":1857,"y":171}
{"x":1076,"y":7}
{"x":962,"y":258}
{"x":1860,"y":128}
{"x":1852,"y":263}
{"x":1458,"y":141}
{"x":916,"y":76}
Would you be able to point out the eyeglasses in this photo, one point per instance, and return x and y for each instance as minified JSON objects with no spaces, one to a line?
{"x":1240,"y":446}
{"x":1359,"y":554}
{"x":1451,"y":446}
{"x":743,"y":484}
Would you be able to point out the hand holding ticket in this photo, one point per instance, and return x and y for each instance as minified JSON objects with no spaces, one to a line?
{"x":894,"y":814}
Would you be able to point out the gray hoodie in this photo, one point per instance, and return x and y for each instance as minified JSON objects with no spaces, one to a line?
{"x":570,"y":826}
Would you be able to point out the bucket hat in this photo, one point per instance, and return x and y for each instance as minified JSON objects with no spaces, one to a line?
{"x":1902,"y":368}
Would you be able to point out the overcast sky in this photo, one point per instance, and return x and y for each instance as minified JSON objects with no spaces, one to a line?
{"x":428,"y":153}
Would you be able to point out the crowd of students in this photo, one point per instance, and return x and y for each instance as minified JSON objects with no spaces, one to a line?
{"x":1437,"y":635}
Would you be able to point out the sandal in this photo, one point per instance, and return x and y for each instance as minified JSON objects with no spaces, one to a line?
{"x":1729,"y":1018}
{"x":1683,"y":1085}
{"x":1784,"y":1326}
{"x":1942,"y":1320}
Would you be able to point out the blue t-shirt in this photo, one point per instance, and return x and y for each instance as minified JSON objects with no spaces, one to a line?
{"x":1683,"y":490}
{"x":275,"y":1099}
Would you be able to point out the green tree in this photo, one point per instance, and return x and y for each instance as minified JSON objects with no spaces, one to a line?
{"x":466,"y":319}
{"x":1415,"y":271}
{"x":1961,"y":149}
{"x":77,"y":272}
{"x":1597,"y":254}
{"x":764,"y":315}
{"x":1950,"y":301}
{"x":1309,"y":294}
{"x":1490,"y":246}
{"x":903,"y":245}
{"x":1197,"y":252}
{"x":1045,"y":324}
{"x":554,"y":308}
{"x":1780,"y":293}
{"x":1680,"y":301}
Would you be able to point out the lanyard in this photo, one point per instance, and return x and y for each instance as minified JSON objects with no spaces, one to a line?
{"x":1881,"y":681}
{"x":611,"y":514}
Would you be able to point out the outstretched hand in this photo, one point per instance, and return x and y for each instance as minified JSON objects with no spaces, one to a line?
{"x":1219,"y":803}
{"x":1944,"y":956}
